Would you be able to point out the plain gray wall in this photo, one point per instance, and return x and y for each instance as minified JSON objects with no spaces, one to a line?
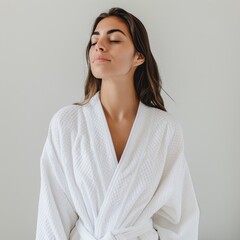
{"x":42,"y":61}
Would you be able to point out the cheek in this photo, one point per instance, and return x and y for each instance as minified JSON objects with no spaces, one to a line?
{"x":126,"y":56}
{"x":90,"y":55}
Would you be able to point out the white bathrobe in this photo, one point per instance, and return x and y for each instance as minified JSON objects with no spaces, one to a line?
{"x":86,"y":194}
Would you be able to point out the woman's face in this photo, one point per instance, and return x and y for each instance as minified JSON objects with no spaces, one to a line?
{"x":112,"y":53}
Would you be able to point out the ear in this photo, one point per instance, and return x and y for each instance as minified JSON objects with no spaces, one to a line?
{"x":139,"y":59}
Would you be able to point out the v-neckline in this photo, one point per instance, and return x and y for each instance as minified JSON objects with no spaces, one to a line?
{"x":108,"y":133}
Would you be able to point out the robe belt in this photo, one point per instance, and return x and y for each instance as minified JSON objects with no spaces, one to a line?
{"x":121,"y":234}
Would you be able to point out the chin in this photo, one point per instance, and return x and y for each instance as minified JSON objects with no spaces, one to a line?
{"x":100,"y":75}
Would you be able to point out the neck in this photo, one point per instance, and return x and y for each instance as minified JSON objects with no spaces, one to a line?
{"x":119,"y":102}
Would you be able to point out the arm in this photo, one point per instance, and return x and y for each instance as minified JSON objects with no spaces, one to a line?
{"x":179,"y":217}
{"x":56,"y":214}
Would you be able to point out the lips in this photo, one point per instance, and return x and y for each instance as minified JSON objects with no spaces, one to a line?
{"x":101,"y":59}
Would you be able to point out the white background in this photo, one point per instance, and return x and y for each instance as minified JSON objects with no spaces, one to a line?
{"x":42,"y":68}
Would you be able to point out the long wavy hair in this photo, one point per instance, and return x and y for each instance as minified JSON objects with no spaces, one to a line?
{"x":147,"y":81}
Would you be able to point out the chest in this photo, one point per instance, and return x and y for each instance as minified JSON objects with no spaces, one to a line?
{"x":120,"y":133}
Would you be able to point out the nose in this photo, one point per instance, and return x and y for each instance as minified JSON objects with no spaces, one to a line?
{"x":100,"y":46}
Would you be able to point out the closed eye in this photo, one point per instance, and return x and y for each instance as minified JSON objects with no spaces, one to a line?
{"x":115,"y":41}
{"x":112,"y":41}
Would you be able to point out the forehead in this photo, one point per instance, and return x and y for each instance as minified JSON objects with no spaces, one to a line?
{"x":109,"y":23}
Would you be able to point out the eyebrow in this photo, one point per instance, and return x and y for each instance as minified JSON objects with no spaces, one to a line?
{"x":109,"y":32}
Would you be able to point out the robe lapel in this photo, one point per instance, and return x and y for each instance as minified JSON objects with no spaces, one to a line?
{"x":108,"y":134}
{"x":122,"y":173}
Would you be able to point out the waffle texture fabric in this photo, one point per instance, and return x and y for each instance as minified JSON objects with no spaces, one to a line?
{"x":87,"y":194}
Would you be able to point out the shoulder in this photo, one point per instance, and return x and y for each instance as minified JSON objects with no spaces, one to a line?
{"x":171,"y":127}
{"x":174,"y":127}
{"x":165,"y":119}
{"x":66,"y":116}
{"x":165,"y":124}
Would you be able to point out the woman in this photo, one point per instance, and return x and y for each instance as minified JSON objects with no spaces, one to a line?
{"x":113,"y":167}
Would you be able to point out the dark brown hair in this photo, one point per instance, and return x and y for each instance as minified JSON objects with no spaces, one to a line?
{"x":147,"y":81}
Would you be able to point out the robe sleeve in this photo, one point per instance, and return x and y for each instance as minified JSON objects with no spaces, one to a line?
{"x":178,"y":218}
{"x":56,"y":214}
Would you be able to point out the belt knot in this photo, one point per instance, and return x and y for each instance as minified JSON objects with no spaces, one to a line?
{"x":119,"y":234}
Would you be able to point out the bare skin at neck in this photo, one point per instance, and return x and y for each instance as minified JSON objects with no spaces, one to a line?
{"x":120,"y":105}
{"x":119,"y":100}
